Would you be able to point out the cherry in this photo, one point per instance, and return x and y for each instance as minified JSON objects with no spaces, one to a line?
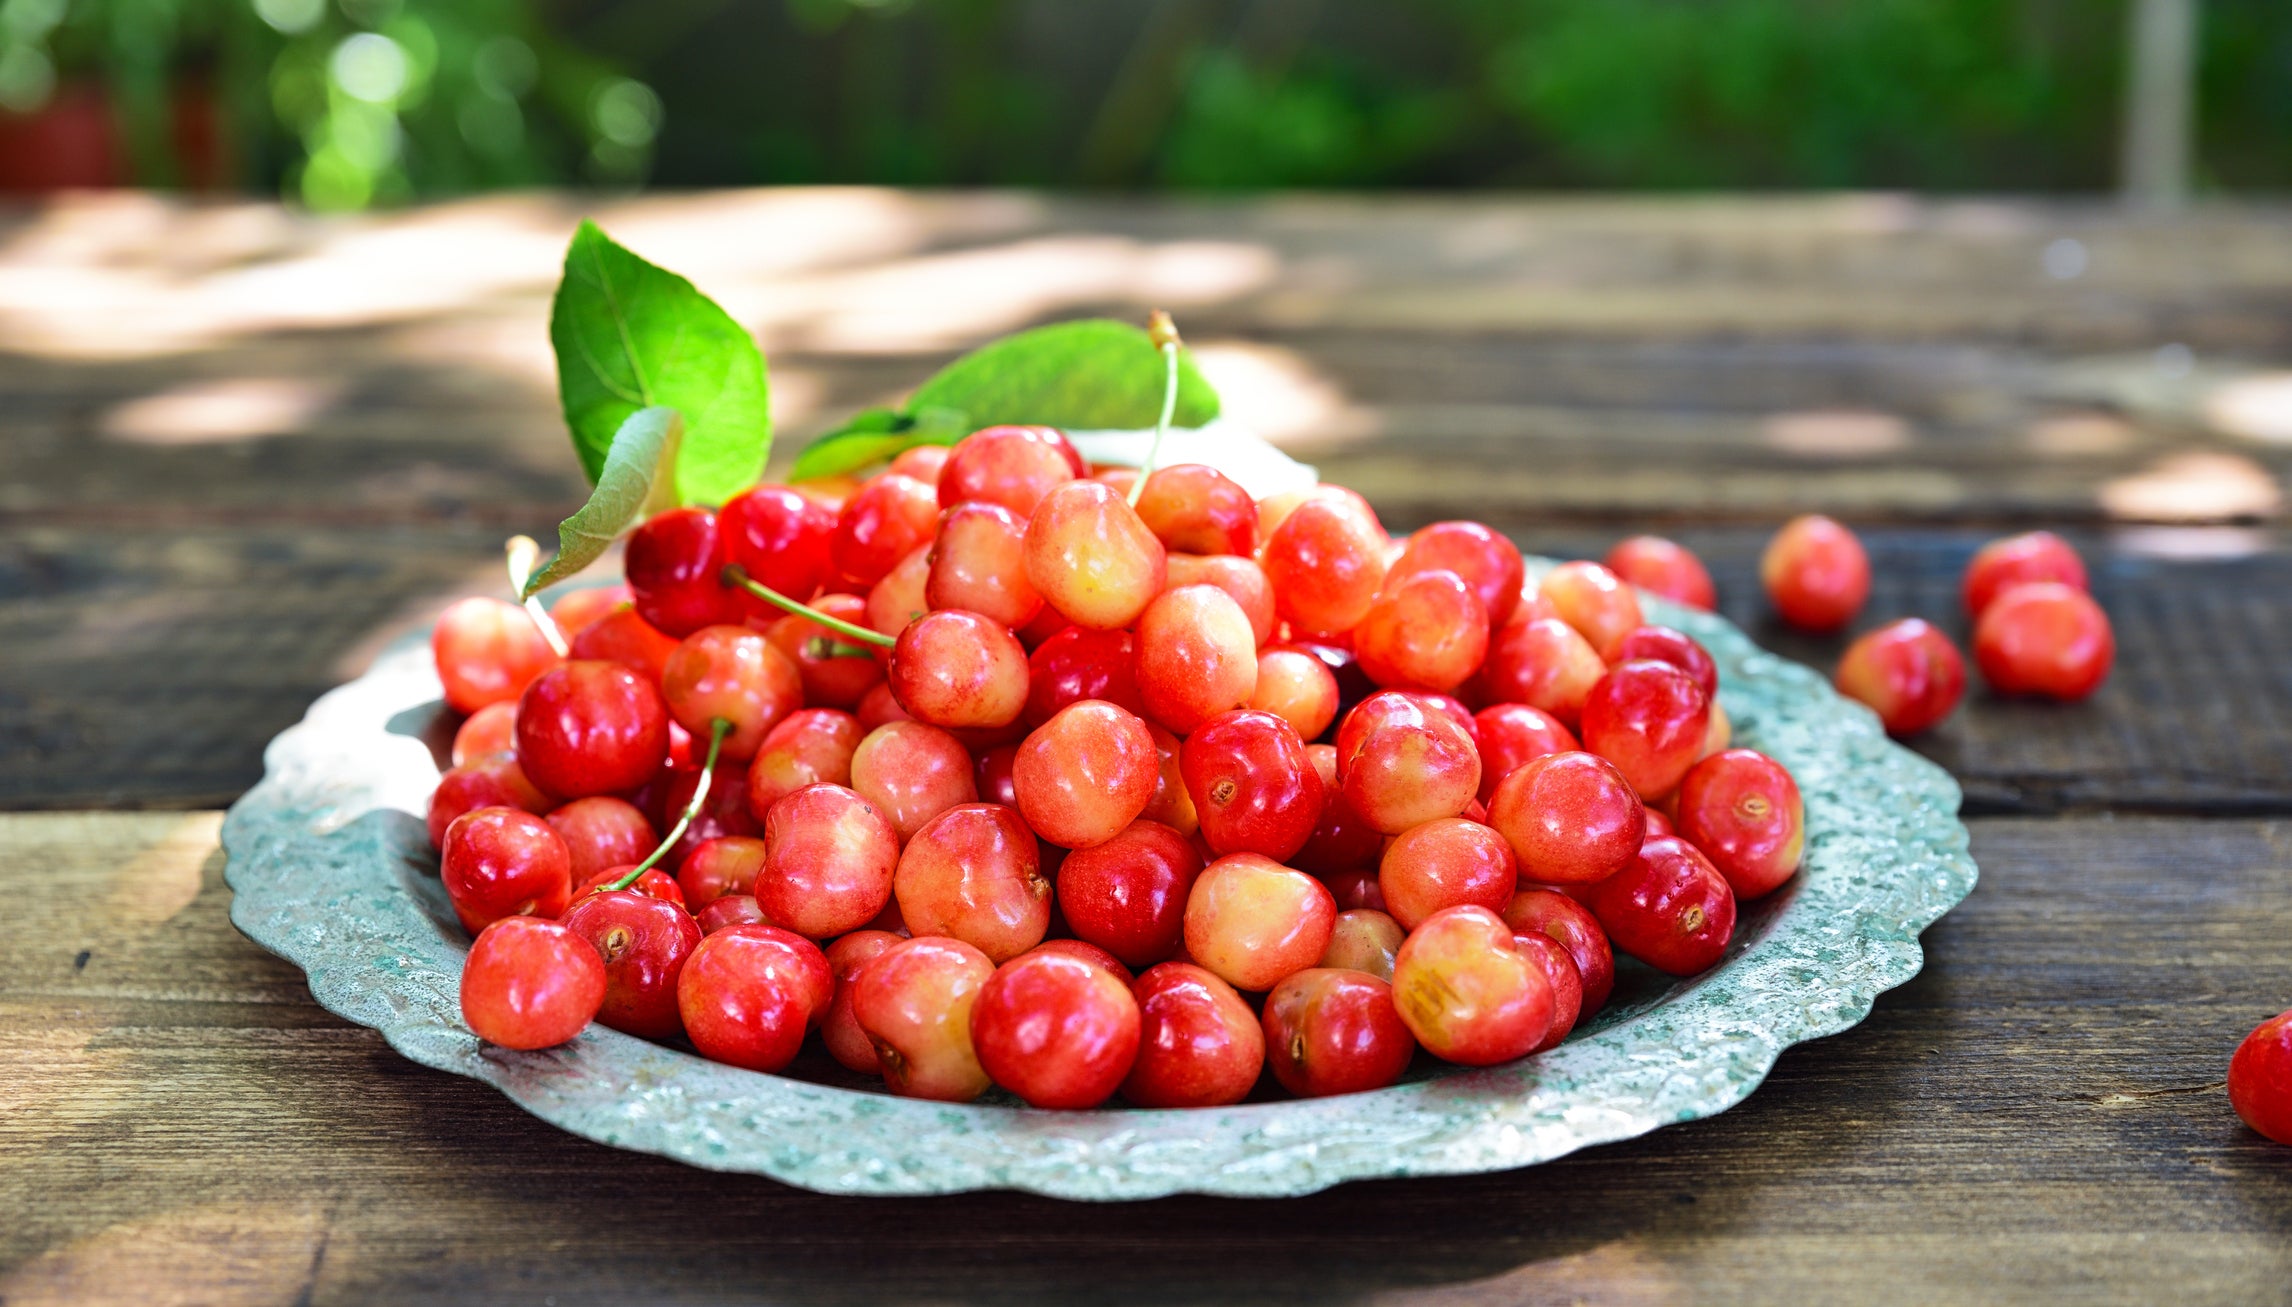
{"x":996,"y":783}
{"x":1085,"y":774}
{"x":1594,"y":601}
{"x":732,"y":674}
{"x":1091,"y":558}
{"x":1196,"y":509}
{"x":1665,"y":645}
{"x":1329,"y":1030}
{"x":1403,"y":765}
{"x":839,"y":1029}
{"x":591,"y":728}
{"x":1816,"y":573}
{"x":878,"y":708}
{"x":623,"y":637}
{"x":958,"y":669}
{"x":1468,"y":991}
{"x":1649,"y":719}
{"x":1196,"y":657}
{"x":973,"y":872}
{"x":1240,"y":578}
{"x":911,"y":773}
{"x":2260,"y":1079}
{"x":731,"y":910}
{"x":1199,"y":1045}
{"x":1254,"y":786}
{"x":835,"y":672}
{"x":1296,"y":687}
{"x":2016,"y":560}
{"x":495,"y":782}
{"x":1428,"y":629}
{"x":1013,"y":467}
{"x":748,"y":995}
{"x":1087,"y":952}
{"x":500,"y":862}
{"x":807,"y":747}
{"x":979,"y":563}
{"x":530,"y":984}
{"x":779,"y":537}
{"x":1443,"y":864}
{"x":1670,"y":908}
{"x":1544,"y":663}
{"x":1274,"y":510}
{"x":1365,"y":940}
{"x":1907,"y":672}
{"x":914,"y":1004}
{"x":652,"y":882}
{"x":923,"y":462}
{"x":577,"y":610}
{"x":1742,"y":810}
{"x":2044,"y":638}
{"x":1574,"y":928}
{"x":1571,"y":818}
{"x":1356,"y":889}
{"x":1055,"y":1030}
{"x":488,"y":731}
{"x":828,"y":862}
{"x":1128,"y":895}
{"x":1658,"y":825}
{"x":723,"y":811}
{"x":718,"y":867}
{"x":1512,"y":734}
{"x":1666,"y":568}
{"x":890,"y":518}
{"x":600,"y":832}
{"x":675,"y":566}
{"x":487,"y":651}
{"x":1253,"y":921}
{"x":1077,"y":664}
{"x":1341,"y":841}
{"x":645,"y":943}
{"x":1487,"y":562}
{"x":902,"y":595}
{"x":1326,"y":561}
{"x":1567,"y":984}
{"x":1171,"y":804}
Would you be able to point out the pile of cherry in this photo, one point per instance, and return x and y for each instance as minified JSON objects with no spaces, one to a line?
{"x":1087,"y":791}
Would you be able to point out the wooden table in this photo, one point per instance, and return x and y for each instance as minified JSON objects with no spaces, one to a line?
{"x":242,"y":449}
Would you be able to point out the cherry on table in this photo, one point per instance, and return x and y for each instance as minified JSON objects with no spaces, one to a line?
{"x":487,"y":651}
{"x":644,"y":943}
{"x":912,"y":772}
{"x":652,"y":882}
{"x":1670,"y":908}
{"x":923,"y":462}
{"x":1574,"y":928}
{"x":974,"y":873}
{"x":1193,"y":508}
{"x":1741,"y":809}
{"x":602,"y":831}
{"x":1468,"y":991}
{"x":1199,"y":1045}
{"x":1055,"y":1030}
{"x":900,"y":596}
{"x":1571,"y":818}
{"x":2045,"y":638}
{"x":2260,"y":1079}
{"x":577,"y":610}
{"x":1128,"y":895}
{"x":1253,"y":921}
{"x":1077,"y":664}
{"x":530,"y":984}
{"x":913,"y":1001}
{"x":1197,"y":657}
{"x":1328,"y":1031}
{"x":1907,"y":672}
{"x":1253,"y":783}
{"x":588,"y":728}
{"x":748,"y":995}
{"x":1170,"y":804}
{"x":1087,"y":952}
{"x":501,"y":862}
{"x":1664,"y":567}
{"x":2016,"y":560}
{"x":1815,"y":573}
{"x":1342,"y":841}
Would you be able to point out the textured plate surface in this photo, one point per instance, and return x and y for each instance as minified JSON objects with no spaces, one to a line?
{"x":330,"y":869}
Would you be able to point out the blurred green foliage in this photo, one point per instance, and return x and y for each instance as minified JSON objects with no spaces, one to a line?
{"x":349,"y":102}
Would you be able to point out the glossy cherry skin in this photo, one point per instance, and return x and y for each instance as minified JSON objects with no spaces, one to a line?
{"x":731,"y":910}
{"x":748,"y":995}
{"x":529,"y":984}
{"x":911,"y":773}
{"x":1487,"y":562}
{"x":486,"y":732}
{"x":2044,"y":638}
{"x":487,"y":651}
{"x":1055,"y":1030}
{"x":1297,"y":687}
{"x":1326,"y":561}
{"x":1086,"y":952}
{"x":839,"y":1029}
{"x":623,"y":637}
{"x":835,"y":671}
{"x":601,"y":832}
{"x":978,"y":563}
{"x":1468,"y":991}
{"x":914,"y":1003}
{"x":1254,"y":787}
{"x":1402,"y":765}
{"x":1544,"y":663}
{"x":500,"y":862}
{"x":733,"y":674}
{"x":652,"y":883}
{"x":1907,"y":672}
{"x":902,"y":595}
{"x":1010,"y":466}
{"x":645,"y":943}
{"x":1571,"y":818}
{"x":2260,"y":1079}
{"x":828,"y":863}
{"x":576,"y":610}
{"x":495,"y":782}
{"x":1085,"y":775}
{"x":1815,"y":573}
{"x":1427,"y":630}
{"x":1199,"y":1044}
{"x":1253,"y":921}
{"x":924,"y":462}
{"x":723,"y":811}
{"x":959,"y":670}
{"x":1334,"y":1031}
{"x":1567,"y":984}
{"x":779,"y":537}
{"x":1664,"y":567}
{"x":1274,"y":510}
{"x":1128,"y":894}
{"x":1663,"y":644}
{"x":1595,"y":601}
{"x":974,"y":873}
{"x":1575,"y":929}
{"x":725,"y":865}
{"x":1670,"y":909}
{"x":1341,"y":840}
{"x":591,"y":728}
{"x":1077,"y":664}
{"x":1742,"y":810}
{"x":675,"y":566}
{"x":1365,"y":940}
{"x":1195,"y":509}
{"x":890,"y":518}
{"x":809,"y":747}
{"x":1241,"y":578}
{"x":1512,"y":734}
{"x":1197,"y":657}
{"x":1444,"y":864}
{"x":1091,"y":558}
{"x":2016,"y":560}
{"x":1170,"y":805}
{"x":1649,"y":719}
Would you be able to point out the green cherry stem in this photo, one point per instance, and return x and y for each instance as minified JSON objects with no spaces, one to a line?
{"x":737,"y":577}
{"x":523,"y":553}
{"x":717,"y":730}
{"x":1164,"y":333}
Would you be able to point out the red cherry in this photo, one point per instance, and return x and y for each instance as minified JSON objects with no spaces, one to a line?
{"x":486,"y":732}
{"x":1199,"y":1044}
{"x":1128,"y":895}
{"x":731,"y":674}
{"x":1575,"y":929}
{"x":731,"y":910}
{"x":1487,"y":562}
{"x":1055,"y":1030}
{"x":652,"y":883}
{"x":1742,"y":810}
{"x":722,"y":866}
{"x":1663,"y":567}
{"x":828,"y":862}
{"x":1403,"y":763}
{"x":958,"y":669}
{"x":591,"y":728}
{"x":2002,"y":564}
{"x":840,"y":1029}
{"x":495,"y":782}
{"x":1664,"y":645}
{"x":890,"y":518}
{"x":499,"y":862}
{"x":1670,"y":908}
{"x":911,"y":773}
{"x":1512,"y":734}
{"x":1298,"y":688}
{"x":1197,"y":657}
{"x":833,"y":677}
{"x":1010,"y":466}
{"x":578,"y":610}
{"x":1076,"y":664}
{"x":529,"y":984}
{"x":978,"y":563}
{"x":748,"y":994}
{"x":1253,"y":921}
{"x":810,"y":747}
{"x":723,"y":812}
{"x":1816,"y":573}
{"x":1364,"y":940}
{"x":780,"y":538}
{"x":645,"y":943}
{"x":1443,"y":864}
{"x":1326,"y":561}
{"x":1196,"y":509}
{"x":2044,"y":638}
{"x":1085,"y":774}
{"x":914,"y":1004}
{"x":1254,"y":787}
{"x":1427,"y":629}
{"x":600,"y":832}
{"x":1544,"y":663}
{"x":1571,"y":818}
{"x":623,"y":637}
{"x":974,"y":873}
{"x":1650,"y":719}
{"x":2260,"y":1079}
{"x":487,"y":651}
{"x":923,"y":462}
{"x":1330,"y":1031}
{"x":1468,"y":991}
{"x":1907,"y":672}
{"x":1567,"y":984}
{"x":1091,"y":558}
{"x":675,"y":567}
{"x":902,"y":595}
{"x":1241,"y":578}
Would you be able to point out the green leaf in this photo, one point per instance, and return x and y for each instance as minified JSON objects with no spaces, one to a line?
{"x":631,"y":336}
{"x":630,"y":484}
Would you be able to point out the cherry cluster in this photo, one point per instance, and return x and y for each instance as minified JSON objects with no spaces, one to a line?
{"x":996,"y":768}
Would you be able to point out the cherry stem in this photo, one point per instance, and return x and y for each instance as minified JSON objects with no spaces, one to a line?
{"x":717,"y":730}
{"x":820,"y":646}
{"x":737,"y":576}
{"x":523,"y":553}
{"x":1164,"y":334}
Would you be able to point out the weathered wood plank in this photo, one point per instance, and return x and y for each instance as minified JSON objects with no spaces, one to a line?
{"x":2037,"y":1115}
